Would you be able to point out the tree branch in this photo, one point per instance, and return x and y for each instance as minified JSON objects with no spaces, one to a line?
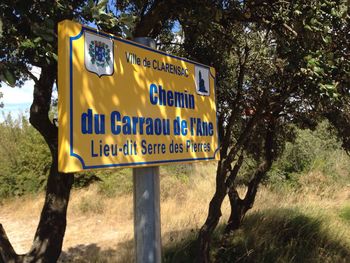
{"x":151,"y":22}
{"x":244,"y":136}
{"x":7,"y":253}
{"x":263,"y":168}
{"x":169,"y":43}
{"x":233,"y":174}
{"x":40,"y":107}
{"x":32,"y":76}
{"x":290,"y":29}
{"x":239,"y":207}
{"x":227,"y":137}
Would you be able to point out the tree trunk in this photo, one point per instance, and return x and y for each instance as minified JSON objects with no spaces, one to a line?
{"x":238,"y":211}
{"x":223,"y":184}
{"x":239,"y":207}
{"x":47,"y":244}
{"x":48,"y":239}
{"x":7,"y":253}
{"x":214,"y":214}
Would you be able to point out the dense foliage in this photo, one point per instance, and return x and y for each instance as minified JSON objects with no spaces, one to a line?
{"x":25,"y":161}
{"x":280,"y":64}
{"x":24,"y":158}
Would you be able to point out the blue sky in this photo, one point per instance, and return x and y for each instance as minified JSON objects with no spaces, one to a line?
{"x":16,"y":100}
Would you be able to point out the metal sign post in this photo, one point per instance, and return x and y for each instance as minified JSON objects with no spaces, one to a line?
{"x":147,"y":233}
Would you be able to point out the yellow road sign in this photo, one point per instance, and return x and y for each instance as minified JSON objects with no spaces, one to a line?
{"x":122,"y":104}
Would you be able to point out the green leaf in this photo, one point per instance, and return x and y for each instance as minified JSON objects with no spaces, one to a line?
{"x":45,"y":33}
{"x":127,"y":31}
{"x":48,"y":61}
{"x":334,"y":12}
{"x":312,"y":62}
{"x":318,"y":70}
{"x":9,"y":78}
{"x":105,"y":16}
{"x":127,"y":20}
{"x":307,"y":27}
{"x":308,"y":57}
{"x":101,"y":5}
{"x":327,"y":39}
{"x":27,"y":44}
{"x":313,"y":21}
{"x":54,"y":56}
{"x":297,"y":12}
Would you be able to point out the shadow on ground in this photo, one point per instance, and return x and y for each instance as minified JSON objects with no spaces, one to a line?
{"x":123,"y":252}
{"x":285,"y":235}
{"x":92,"y":253}
{"x":278,"y":235}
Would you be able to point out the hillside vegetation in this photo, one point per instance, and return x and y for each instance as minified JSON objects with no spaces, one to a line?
{"x":302,"y":211}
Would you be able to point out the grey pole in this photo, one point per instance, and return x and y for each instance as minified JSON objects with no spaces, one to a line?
{"x":147,"y":233}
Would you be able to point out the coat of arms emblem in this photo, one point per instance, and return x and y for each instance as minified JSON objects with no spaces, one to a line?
{"x":99,"y":56}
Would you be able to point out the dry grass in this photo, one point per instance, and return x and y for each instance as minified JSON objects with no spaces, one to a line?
{"x":100,"y":229}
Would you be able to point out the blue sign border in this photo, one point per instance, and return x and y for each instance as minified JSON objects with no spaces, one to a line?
{"x":85,"y":167}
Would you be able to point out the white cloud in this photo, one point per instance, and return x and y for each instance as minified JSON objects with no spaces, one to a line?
{"x":23,"y":95}
{"x":36,"y":71}
{"x":16,"y":100}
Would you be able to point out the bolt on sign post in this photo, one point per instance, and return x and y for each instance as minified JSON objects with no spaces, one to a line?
{"x":124,"y":104}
